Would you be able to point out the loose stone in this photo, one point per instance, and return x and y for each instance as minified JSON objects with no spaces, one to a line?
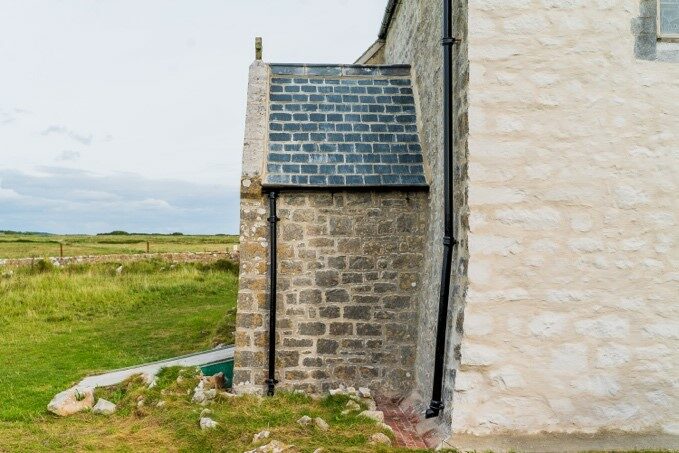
{"x":260,"y":436}
{"x":378,"y":416}
{"x":104,"y":407}
{"x":71,"y":401}
{"x":321,"y":424}
{"x":207,"y":423}
{"x":304,"y":421}
{"x":380,"y":438}
{"x":353,"y":406}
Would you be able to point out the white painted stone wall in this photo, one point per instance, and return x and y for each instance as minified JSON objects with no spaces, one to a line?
{"x":572,"y":313}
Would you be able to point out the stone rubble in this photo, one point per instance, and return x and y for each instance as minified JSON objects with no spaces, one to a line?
{"x":353,"y":406}
{"x":260,"y":436}
{"x":304,"y":420}
{"x":321,"y":424}
{"x":207,"y":423}
{"x":71,"y":401}
{"x":378,"y":416}
{"x":103,"y":407}
{"x":274,"y":446}
{"x":380,"y":438}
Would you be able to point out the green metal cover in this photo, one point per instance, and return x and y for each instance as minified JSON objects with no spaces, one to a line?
{"x":225,"y":366}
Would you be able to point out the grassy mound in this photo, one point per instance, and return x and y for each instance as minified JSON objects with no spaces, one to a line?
{"x":58,"y":325}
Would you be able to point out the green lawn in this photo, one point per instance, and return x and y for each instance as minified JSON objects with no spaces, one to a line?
{"x":17,"y":245}
{"x":58,"y":325}
{"x":174,"y":427}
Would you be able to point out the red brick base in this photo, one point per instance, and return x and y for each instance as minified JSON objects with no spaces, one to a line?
{"x":403,"y":423}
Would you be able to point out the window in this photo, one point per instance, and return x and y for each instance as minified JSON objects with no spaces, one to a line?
{"x":668,"y":19}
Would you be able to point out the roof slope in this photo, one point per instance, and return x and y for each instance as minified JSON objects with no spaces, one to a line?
{"x":342,"y":126}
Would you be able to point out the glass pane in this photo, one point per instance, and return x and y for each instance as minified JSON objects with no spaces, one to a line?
{"x":669,"y":17}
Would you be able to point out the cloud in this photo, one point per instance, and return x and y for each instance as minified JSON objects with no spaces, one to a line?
{"x":8,"y":194}
{"x":65,"y":200}
{"x":68,"y":155}
{"x":10,"y":116}
{"x":63,"y":130}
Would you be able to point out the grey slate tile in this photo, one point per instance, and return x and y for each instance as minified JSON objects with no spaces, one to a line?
{"x":342,"y":126}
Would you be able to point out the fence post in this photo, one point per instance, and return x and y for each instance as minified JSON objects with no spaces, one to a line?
{"x":61,"y":249}
{"x":148,"y":247}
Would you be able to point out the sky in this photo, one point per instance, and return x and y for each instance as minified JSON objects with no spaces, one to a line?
{"x":129,"y":114}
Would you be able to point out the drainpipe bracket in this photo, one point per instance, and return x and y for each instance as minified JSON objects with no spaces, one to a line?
{"x":450,"y":241}
{"x":450,"y":41}
{"x":435,"y":407}
{"x":273,"y":219}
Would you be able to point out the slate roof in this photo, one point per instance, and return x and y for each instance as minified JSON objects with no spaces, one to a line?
{"x":342,"y":126}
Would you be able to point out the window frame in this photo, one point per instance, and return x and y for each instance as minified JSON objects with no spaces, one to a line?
{"x":661,"y":35}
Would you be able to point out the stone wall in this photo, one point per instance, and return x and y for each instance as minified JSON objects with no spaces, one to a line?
{"x":571,"y":317}
{"x":349,"y":269}
{"x":414,"y":38}
{"x":176,"y":257}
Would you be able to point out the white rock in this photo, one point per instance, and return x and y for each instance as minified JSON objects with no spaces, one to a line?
{"x":119,"y":270}
{"x":380,"y":438}
{"x":273,"y":447}
{"x":210,"y":394}
{"x":321,"y":424}
{"x":600,"y":385}
{"x":353,"y":406}
{"x":207,"y":423}
{"x":372,"y":405}
{"x":612,"y":355}
{"x":378,"y":416}
{"x":260,"y":436}
{"x":160,"y":403}
{"x":304,"y":420}
{"x":71,"y":401}
{"x":610,"y":326}
{"x":205,"y":413}
{"x":547,"y":324}
{"x":385,"y":426}
{"x":671,"y":428}
{"x":104,"y":407}
{"x":478,"y":355}
{"x":364,"y":392}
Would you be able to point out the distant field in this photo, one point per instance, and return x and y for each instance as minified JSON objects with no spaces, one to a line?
{"x":17,"y":245}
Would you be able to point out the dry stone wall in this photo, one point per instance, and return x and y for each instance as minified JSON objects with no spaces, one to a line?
{"x":175,"y":257}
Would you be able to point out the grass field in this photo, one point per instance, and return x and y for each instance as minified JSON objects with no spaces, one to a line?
{"x":58,"y":325}
{"x":174,"y":427}
{"x":21,"y":245}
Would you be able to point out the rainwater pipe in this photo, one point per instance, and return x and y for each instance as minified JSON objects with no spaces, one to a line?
{"x":449,"y":238}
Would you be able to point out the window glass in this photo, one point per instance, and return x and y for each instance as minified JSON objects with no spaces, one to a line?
{"x":668,"y":18}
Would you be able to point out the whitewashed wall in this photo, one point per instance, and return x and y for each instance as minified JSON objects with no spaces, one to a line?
{"x":572,"y":315}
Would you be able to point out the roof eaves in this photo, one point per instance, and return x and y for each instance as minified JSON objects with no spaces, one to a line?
{"x":388,"y":16}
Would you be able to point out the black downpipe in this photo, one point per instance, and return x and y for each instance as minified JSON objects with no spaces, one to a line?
{"x":449,"y":240}
{"x":273,"y":219}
